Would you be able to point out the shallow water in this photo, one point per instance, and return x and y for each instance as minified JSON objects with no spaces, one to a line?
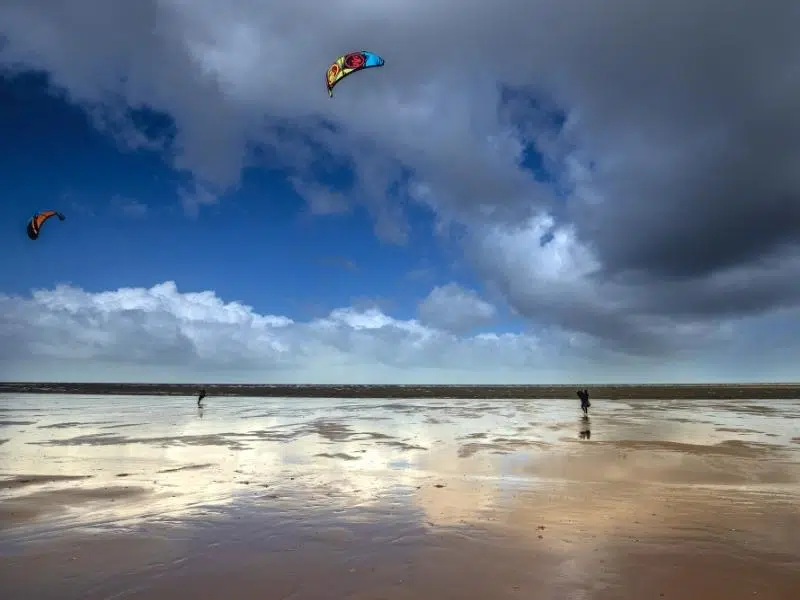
{"x":383,"y":487}
{"x":354,"y":450}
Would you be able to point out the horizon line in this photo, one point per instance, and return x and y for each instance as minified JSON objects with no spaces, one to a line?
{"x":429,"y":385}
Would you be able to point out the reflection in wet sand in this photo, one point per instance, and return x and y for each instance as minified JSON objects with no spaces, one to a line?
{"x":22,"y":480}
{"x":340,"y":455}
{"x":585,"y":430}
{"x":186,"y":468}
{"x":303,"y":499}
{"x":16,"y":510}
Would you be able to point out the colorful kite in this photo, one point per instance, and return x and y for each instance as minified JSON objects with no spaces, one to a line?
{"x":350,"y":63}
{"x":37,"y":220}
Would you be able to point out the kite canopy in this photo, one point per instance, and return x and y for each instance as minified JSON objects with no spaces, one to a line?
{"x":36,"y":221}
{"x":350,"y":63}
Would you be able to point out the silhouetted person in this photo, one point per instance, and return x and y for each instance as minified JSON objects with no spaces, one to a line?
{"x":200,"y":397}
{"x":585,"y":404}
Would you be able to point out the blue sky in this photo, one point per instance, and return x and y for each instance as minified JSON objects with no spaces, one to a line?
{"x":448,"y":217}
{"x":260,"y":245}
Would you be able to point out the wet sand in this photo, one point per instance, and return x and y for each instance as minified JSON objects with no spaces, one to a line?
{"x":150,"y":497}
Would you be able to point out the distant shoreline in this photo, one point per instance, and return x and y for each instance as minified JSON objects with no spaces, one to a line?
{"x":783,"y":391}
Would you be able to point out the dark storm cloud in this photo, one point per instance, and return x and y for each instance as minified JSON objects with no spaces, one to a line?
{"x":689,"y":111}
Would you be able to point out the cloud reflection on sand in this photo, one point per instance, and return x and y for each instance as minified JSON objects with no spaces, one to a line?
{"x":174,"y":458}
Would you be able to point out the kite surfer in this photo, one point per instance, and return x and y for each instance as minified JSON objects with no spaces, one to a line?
{"x":585,"y":404}
{"x":200,"y":397}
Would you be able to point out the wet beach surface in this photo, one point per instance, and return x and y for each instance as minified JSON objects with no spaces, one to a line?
{"x":151,"y":497}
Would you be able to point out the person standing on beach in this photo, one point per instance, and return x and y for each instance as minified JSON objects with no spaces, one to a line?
{"x":585,"y":404}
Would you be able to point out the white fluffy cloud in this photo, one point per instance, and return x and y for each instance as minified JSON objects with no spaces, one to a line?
{"x":455,"y":309}
{"x":161,"y":334}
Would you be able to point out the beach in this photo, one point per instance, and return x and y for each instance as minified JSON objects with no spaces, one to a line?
{"x":148,"y":496}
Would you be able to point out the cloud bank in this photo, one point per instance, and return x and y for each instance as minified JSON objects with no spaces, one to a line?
{"x":162,"y":334}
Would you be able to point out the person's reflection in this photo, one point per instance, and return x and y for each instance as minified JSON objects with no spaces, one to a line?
{"x":200,"y":411}
{"x":585,"y":431}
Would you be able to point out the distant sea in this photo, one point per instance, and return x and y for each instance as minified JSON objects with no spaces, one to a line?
{"x":787,"y":391}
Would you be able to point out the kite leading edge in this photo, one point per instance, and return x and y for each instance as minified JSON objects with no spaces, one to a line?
{"x":350,"y":63}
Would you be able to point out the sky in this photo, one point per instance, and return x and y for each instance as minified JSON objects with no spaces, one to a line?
{"x":527,"y":191}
